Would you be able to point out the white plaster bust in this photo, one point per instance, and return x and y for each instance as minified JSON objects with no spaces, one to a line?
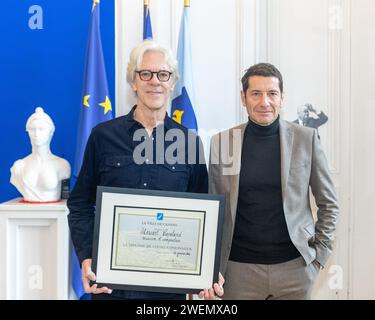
{"x":38,"y":176}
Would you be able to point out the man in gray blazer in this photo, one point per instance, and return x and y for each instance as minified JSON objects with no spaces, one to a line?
{"x":271,"y":248}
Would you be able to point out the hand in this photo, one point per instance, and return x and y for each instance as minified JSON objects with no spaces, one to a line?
{"x":309,"y":107}
{"x":216,"y":291}
{"x":312,"y":109}
{"x":88,"y":275}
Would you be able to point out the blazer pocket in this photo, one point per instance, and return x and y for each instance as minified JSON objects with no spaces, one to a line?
{"x":300,"y":171}
{"x":310,"y":229}
{"x":310,"y":232}
{"x":297,"y":166}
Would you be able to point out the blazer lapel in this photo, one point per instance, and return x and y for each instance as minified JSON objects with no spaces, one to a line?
{"x":235,"y":178}
{"x":286,"y":147}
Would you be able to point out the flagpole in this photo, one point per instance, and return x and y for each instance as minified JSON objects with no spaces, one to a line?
{"x":187,"y":5}
{"x":147,"y":29}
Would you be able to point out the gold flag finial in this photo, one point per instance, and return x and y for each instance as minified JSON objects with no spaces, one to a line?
{"x":146,"y":2}
{"x":94,"y":3}
{"x":186,"y":3}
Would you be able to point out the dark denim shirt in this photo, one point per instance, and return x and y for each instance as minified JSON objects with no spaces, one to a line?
{"x":109,"y":161}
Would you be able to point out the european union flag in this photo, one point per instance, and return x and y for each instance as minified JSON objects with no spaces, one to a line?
{"x":95,"y":108}
{"x":182,"y":110}
{"x":147,"y":29}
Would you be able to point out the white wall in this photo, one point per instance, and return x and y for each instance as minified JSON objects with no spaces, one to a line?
{"x":310,"y":43}
{"x":221,"y":51}
{"x":363,"y":149}
{"x":323,"y":48}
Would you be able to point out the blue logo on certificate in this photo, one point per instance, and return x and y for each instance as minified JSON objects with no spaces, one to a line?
{"x":160,"y":216}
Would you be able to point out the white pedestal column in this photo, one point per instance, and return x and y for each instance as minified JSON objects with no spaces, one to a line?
{"x":34,"y":250}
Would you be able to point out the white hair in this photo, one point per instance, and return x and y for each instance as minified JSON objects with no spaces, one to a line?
{"x":136,"y":57}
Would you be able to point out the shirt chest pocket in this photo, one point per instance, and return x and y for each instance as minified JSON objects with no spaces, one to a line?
{"x":173,"y":177}
{"x":120,"y":171}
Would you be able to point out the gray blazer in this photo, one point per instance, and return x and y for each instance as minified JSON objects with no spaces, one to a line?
{"x":303,"y":165}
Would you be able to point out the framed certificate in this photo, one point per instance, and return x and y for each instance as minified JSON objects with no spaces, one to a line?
{"x":157,"y":241}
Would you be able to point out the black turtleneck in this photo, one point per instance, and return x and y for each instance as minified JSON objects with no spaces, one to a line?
{"x":261,"y":235}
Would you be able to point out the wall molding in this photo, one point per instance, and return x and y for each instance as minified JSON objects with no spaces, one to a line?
{"x":335,"y":81}
{"x":273,"y":31}
{"x":247,"y":49}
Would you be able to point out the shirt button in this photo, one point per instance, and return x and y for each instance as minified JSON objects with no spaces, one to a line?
{"x":145,"y":184}
{"x":147,"y":160}
{"x":118,"y":164}
{"x":173,"y":167}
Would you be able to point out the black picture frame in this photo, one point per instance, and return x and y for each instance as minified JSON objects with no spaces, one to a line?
{"x":111,"y":200}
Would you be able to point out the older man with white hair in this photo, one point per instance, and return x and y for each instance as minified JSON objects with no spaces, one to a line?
{"x":111,"y":159}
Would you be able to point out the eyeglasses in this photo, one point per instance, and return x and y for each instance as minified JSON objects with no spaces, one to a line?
{"x":162,"y":75}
